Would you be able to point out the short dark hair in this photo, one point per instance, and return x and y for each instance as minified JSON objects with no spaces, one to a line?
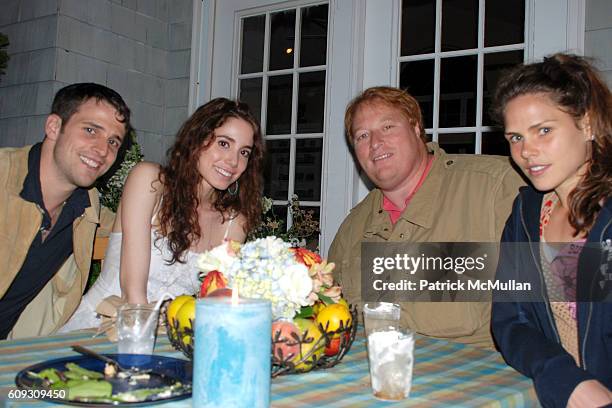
{"x":68,"y":100}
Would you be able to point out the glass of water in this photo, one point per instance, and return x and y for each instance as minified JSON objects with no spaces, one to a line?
{"x":391,"y":356}
{"x":380,"y":315}
{"x":136,"y":328}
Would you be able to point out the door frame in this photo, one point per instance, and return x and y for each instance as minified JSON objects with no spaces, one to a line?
{"x":357,"y":30}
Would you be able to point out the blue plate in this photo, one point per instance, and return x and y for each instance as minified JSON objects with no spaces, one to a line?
{"x":170,"y":367}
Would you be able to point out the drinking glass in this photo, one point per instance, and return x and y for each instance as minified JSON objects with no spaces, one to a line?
{"x":380,"y":315}
{"x":391,"y":356}
{"x":136,"y":328}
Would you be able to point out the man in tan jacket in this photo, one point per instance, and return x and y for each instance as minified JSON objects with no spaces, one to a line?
{"x":49,"y":211}
{"x":422,"y":195}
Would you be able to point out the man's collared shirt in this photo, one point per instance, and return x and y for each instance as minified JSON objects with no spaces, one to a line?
{"x":394,"y":211}
{"x":44,"y":258}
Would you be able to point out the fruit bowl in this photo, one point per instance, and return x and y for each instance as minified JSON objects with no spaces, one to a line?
{"x":292,"y":353}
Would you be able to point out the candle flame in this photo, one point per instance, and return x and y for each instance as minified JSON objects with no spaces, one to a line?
{"x":235,"y":296}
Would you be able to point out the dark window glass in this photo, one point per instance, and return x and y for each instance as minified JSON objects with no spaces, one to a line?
{"x":282,"y":40}
{"x":281,"y":211}
{"x":276,"y":171}
{"x":280,"y":90}
{"x":417,"y":78}
{"x":504,"y":22}
{"x":252,"y":44}
{"x":311,"y":102}
{"x":308,"y":159}
{"x":312,"y":242}
{"x":494,"y":66}
{"x":459,"y":24}
{"x":313,"y":41}
{"x":495,"y":143}
{"x":418,"y":27}
{"x":458,"y":91}
{"x":250,"y":93}
{"x":462,"y":143}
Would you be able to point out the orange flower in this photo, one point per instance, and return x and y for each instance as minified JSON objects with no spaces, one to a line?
{"x":214,"y":280}
{"x":306,"y":256}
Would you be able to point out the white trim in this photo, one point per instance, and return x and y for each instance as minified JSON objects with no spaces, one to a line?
{"x":556,"y":26}
{"x":202,"y":36}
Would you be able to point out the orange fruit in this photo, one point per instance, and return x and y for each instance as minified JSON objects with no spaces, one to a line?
{"x":331,"y":317}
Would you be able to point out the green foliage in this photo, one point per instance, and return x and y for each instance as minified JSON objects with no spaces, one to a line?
{"x":4,"y":42}
{"x":111,"y":189}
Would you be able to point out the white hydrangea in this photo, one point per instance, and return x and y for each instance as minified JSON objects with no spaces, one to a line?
{"x":265,"y":268}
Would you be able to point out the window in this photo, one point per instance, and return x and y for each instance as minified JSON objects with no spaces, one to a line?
{"x":282,"y":76}
{"x":452,"y":53}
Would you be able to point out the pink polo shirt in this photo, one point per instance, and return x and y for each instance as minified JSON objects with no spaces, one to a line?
{"x":394,"y":211}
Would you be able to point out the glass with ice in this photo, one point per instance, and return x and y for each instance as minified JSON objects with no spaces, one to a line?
{"x":390,"y":351}
{"x":134,"y":335}
{"x":378,"y":315}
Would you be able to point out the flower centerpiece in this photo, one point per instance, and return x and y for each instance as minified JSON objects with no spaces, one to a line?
{"x":313,"y":326}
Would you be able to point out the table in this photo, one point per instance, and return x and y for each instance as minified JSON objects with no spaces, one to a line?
{"x":446,"y":374}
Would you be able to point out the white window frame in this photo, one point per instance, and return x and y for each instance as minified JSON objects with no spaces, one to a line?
{"x":363,"y":42}
{"x":295,"y":72}
{"x":550,"y":26}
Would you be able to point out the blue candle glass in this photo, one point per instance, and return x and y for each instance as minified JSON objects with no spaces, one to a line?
{"x":232,"y":353}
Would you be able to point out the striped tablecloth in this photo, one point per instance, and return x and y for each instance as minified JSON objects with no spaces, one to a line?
{"x":445,"y":375}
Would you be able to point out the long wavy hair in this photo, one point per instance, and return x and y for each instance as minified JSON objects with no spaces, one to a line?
{"x":178,"y":216}
{"x":575,"y":86}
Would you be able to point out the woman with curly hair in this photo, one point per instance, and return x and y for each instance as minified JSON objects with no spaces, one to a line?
{"x":208,"y":192}
{"x":557,"y":116}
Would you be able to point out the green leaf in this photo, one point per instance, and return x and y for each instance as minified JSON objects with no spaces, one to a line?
{"x":326,"y":299}
{"x":305,"y":312}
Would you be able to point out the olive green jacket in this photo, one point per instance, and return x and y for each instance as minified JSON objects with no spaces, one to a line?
{"x":464,"y":198}
{"x":20,"y":221}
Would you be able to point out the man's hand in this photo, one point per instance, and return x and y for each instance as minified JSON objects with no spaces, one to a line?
{"x":590,"y":393}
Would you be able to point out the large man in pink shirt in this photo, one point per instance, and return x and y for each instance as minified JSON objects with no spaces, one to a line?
{"x":422,"y":194}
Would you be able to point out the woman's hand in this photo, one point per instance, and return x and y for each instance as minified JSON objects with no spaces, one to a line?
{"x":590,"y":393}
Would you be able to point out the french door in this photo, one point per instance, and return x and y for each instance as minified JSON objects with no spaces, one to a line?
{"x":298,"y":64}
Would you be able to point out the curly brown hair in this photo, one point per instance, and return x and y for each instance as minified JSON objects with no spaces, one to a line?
{"x":575,"y":86}
{"x":178,"y":217}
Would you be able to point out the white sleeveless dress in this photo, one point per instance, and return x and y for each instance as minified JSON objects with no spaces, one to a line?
{"x":176,"y":279}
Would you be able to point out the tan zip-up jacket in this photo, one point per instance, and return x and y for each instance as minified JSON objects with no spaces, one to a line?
{"x":464,"y":198}
{"x":20,"y":221}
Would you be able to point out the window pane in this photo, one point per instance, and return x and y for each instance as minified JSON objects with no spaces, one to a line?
{"x":494,"y":66}
{"x":462,"y":143}
{"x":495,"y":143}
{"x":280,"y":90}
{"x":282,"y":36}
{"x":313,"y":40}
{"x":417,"y":77}
{"x":308,"y":158}
{"x":459,"y":24}
{"x":458,"y":91}
{"x":252,"y":44}
{"x":418,"y":26}
{"x":504,"y":22}
{"x":250,"y":93}
{"x":276,"y":171}
{"x":311,"y":102}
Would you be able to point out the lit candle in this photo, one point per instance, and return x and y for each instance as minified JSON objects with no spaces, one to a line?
{"x":232,"y":353}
